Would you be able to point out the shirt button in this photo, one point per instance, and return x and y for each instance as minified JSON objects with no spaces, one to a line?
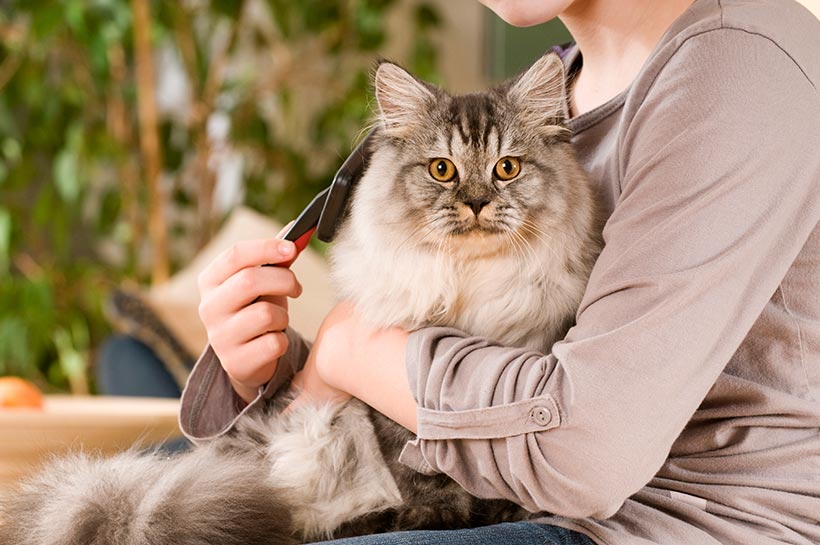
{"x":541,"y":416}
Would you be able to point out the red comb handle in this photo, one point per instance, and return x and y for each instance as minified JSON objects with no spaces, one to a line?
{"x":301,"y":243}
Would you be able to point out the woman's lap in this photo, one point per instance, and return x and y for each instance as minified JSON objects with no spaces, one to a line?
{"x":127,"y":367}
{"x":510,"y":533}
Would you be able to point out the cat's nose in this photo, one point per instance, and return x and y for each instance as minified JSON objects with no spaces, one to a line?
{"x":477,"y":205}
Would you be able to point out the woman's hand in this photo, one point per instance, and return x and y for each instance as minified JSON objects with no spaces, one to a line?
{"x":244,"y":308}
{"x":352,"y":358}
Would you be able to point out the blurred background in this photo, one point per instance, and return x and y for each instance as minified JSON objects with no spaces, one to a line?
{"x":131,"y":129}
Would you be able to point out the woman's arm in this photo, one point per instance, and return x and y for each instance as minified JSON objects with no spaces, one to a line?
{"x":719,"y":195}
{"x":351,"y":358}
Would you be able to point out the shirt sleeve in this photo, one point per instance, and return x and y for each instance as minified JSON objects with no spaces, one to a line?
{"x":720,"y":189}
{"x":210,"y":406}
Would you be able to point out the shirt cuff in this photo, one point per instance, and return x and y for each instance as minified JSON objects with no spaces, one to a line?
{"x":508,"y":420}
{"x":472,"y":416}
{"x":413,"y":457}
{"x":210,"y":406}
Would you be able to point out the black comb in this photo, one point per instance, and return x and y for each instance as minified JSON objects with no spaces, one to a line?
{"x":326,"y":210}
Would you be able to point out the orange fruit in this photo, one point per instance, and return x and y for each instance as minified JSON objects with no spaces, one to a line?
{"x":18,"y":393}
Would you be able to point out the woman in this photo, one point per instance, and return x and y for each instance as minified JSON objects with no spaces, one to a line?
{"x":685,"y":403}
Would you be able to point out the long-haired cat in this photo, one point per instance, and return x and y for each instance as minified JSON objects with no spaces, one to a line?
{"x":472,"y":213}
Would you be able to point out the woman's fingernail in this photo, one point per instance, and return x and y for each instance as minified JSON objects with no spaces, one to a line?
{"x":285,"y":248}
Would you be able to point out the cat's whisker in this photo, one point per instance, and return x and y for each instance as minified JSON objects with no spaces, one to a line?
{"x":541,"y":236}
{"x":512,"y":243}
{"x":425,"y":229}
{"x":516,"y":245}
{"x":533,"y":254}
{"x":366,"y":128}
{"x":536,"y":257}
{"x":538,"y":237}
{"x":393,"y":223}
{"x":533,"y":227}
{"x":441,"y":237}
{"x":527,"y":253}
{"x":441,"y":254}
{"x":407,"y":239}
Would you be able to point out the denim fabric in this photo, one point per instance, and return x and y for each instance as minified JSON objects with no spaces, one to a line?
{"x":127,"y":367}
{"x":510,"y":533}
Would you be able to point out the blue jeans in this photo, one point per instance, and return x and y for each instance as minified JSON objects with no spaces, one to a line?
{"x":508,"y":533}
{"x":127,"y":367}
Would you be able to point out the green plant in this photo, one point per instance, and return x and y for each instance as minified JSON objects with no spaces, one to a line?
{"x":81,"y":207}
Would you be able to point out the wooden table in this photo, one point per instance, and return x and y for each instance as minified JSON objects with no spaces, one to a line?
{"x":90,"y":423}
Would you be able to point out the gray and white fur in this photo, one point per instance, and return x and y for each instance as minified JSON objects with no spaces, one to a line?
{"x":506,"y":259}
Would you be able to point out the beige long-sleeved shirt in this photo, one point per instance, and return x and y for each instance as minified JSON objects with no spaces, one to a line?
{"x":684,"y":406}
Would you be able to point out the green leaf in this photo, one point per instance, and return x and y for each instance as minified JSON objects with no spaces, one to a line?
{"x":74,"y":136}
{"x":369,"y":25}
{"x":427,"y":16}
{"x":228,"y":8}
{"x":47,"y":20}
{"x":14,"y":347}
{"x":109,"y":211}
{"x":281,"y":12}
{"x":111,"y":32}
{"x":11,"y":149}
{"x":423,"y":60}
{"x":80,"y":335}
{"x":66,"y":178}
{"x":74,"y":10}
{"x":319,"y":14}
{"x":71,"y":361}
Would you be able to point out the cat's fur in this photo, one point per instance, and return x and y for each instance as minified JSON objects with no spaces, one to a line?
{"x":505,"y":260}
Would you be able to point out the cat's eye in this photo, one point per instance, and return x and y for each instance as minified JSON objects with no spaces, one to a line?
{"x":442,"y":170}
{"x":507,"y":168}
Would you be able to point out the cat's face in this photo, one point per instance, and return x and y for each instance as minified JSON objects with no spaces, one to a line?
{"x":482,"y":171}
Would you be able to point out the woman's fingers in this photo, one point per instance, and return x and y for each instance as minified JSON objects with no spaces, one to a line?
{"x":250,"y":341}
{"x":254,"y":361}
{"x":242,"y":255}
{"x":251,"y":322}
{"x":245,"y":287}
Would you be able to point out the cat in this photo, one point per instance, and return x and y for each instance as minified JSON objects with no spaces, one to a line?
{"x":473,"y":212}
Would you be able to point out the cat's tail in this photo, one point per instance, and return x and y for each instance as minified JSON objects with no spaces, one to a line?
{"x":203,"y":497}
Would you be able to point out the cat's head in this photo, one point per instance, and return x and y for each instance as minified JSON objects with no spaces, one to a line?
{"x":480,"y":171}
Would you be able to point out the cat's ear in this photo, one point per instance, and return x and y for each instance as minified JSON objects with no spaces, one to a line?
{"x":402,"y":99}
{"x":541,"y":91}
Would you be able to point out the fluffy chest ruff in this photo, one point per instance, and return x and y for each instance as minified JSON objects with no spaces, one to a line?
{"x":525,"y":297}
